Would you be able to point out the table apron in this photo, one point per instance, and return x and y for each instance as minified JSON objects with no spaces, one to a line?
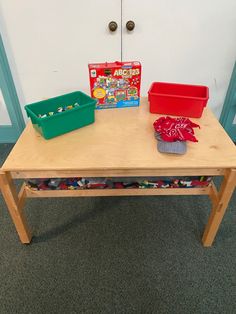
{"x":116,"y":173}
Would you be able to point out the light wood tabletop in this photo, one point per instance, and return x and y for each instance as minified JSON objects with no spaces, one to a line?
{"x":120,"y":143}
{"x":121,"y":139}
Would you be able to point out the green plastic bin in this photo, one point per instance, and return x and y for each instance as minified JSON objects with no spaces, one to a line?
{"x":65,"y":121}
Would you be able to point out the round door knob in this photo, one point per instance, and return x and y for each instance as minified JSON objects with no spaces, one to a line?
{"x":112,"y":26}
{"x":130,"y":25}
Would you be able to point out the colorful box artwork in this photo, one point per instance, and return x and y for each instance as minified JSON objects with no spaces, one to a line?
{"x":115,"y":85}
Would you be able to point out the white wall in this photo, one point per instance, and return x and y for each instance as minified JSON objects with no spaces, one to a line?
{"x":4,"y":116}
{"x":50,"y":42}
{"x":184,"y":41}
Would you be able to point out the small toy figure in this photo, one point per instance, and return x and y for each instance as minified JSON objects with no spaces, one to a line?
{"x":96,"y":185}
{"x":71,"y":187}
{"x":59,"y":110}
{"x":63,"y":186}
{"x":72,"y":182}
{"x":118,"y":185}
{"x":33,"y":184}
{"x":54,"y":183}
{"x":82,"y":182}
{"x":131,"y":185}
{"x":198,"y":183}
{"x":186,"y":184}
{"x":43,"y":186}
{"x":175,"y":183}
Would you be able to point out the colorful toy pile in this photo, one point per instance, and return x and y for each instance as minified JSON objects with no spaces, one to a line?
{"x":118,"y":183}
{"x":59,"y":110}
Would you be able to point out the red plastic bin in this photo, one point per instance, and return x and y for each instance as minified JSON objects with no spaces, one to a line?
{"x":178,"y":99}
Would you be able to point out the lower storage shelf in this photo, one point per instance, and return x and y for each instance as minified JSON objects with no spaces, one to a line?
{"x":111,"y":183}
{"x":115,"y":192}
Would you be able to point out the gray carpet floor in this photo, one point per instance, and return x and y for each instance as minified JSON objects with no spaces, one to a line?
{"x":117,"y":255}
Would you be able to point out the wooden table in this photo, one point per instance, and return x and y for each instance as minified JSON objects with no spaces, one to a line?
{"x":120,"y":143}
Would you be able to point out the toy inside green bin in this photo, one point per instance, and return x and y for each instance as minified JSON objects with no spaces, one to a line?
{"x":65,"y":121}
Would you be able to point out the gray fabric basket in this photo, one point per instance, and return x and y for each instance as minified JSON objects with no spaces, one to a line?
{"x":178,"y":147}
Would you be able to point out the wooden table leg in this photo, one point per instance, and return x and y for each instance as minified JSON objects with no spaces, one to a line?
{"x":219,"y":208}
{"x":14,"y":205}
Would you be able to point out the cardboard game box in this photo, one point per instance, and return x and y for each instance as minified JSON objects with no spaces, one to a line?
{"x":116,"y":84}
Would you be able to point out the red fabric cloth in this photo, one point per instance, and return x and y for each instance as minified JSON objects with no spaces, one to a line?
{"x":175,"y":129}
